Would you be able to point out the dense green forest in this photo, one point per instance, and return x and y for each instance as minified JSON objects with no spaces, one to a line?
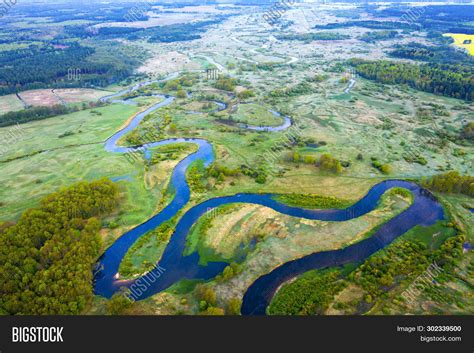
{"x":178,"y":32}
{"x":439,"y":54}
{"x":47,"y":257}
{"x":51,"y":67}
{"x":443,"y":79}
{"x":451,"y":182}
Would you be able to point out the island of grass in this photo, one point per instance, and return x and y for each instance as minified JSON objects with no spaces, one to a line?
{"x":255,"y":115}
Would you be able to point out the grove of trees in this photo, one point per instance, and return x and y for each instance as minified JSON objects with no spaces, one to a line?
{"x":47,"y":257}
{"x":451,"y":182}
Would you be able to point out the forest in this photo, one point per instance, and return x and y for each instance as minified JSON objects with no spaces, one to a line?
{"x":443,"y":79}
{"x":442,"y":53}
{"x":47,"y":257}
{"x":51,"y":68}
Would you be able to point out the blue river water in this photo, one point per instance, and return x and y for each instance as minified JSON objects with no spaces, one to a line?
{"x":174,"y":266}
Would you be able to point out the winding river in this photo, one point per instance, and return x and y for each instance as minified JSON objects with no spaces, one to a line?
{"x":174,"y":266}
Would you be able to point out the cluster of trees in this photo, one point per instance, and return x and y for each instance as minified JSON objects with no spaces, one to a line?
{"x":169,"y":152}
{"x":384,"y":168}
{"x":309,"y":37}
{"x":328,"y":163}
{"x":378,"y":35}
{"x":220,"y":172}
{"x":269,"y":66}
{"x":47,"y":257}
{"x":297,"y":90}
{"x":196,"y":177}
{"x":444,"y":79}
{"x":317,"y":78}
{"x":31,"y":114}
{"x":226,"y":83}
{"x":310,"y":201}
{"x":245,"y":94}
{"x":296,"y":157}
{"x":259,"y":174}
{"x":310,"y":294}
{"x":229,"y":272}
{"x":325,"y":163}
{"x":451,"y":182}
{"x":119,"y":303}
{"x":177,"y":84}
{"x":207,"y":300}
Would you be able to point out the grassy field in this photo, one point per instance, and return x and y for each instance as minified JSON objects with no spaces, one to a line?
{"x":234,"y":232}
{"x":255,"y":114}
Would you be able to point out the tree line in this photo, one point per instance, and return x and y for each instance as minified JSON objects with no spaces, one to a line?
{"x":39,"y":113}
{"x":450,"y":182}
{"x":52,"y":67}
{"x":443,"y":79}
